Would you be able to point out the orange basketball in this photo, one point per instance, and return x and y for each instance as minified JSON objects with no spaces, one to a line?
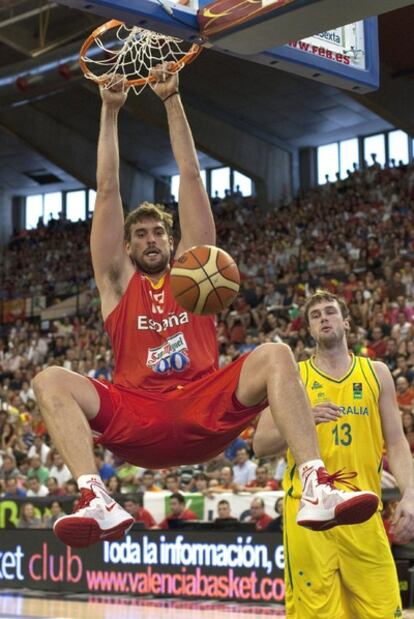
{"x":205,"y":280}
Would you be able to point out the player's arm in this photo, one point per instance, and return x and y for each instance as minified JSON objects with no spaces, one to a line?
{"x":111,"y":265}
{"x":196,"y":219}
{"x":267,"y":440}
{"x":398,"y":453}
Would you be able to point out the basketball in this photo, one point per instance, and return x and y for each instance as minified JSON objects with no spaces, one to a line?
{"x":205,"y":280}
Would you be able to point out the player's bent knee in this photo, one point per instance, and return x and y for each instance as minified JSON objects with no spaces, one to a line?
{"x":47,"y":379}
{"x":276,"y":353}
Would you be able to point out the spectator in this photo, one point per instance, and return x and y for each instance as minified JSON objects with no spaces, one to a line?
{"x":102,"y":369}
{"x":59,"y":470}
{"x":226,"y":482}
{"x":12,"y":490}
{"x":56,"y":511}
{"x":128,"y":475}
{"x":262,"y":483}
{"x":39,"y":448}
{"x":71,"y":487}
{"x":200,"y":483}
{"x":9,"y":440}
{"x":244,"y":470}
{"x":148,"y":482}
{"x":405,"y":394}
{"x":134,"y":506}
{"x":178,"y":511}
{"x":214,"y":466}
{"x":106,"y":470}
{"x":28,"y":518}
{"x":8,"y":469}
{"x":231,"y":451}
{"x":258,"y":514}
{"x":53,"y":487}
{"x":36,"y":489}
{"x":28,"y":436}
{"x":37,"y":470}
{"x":224,"y":512}
{"x":402,"y":369}
{"x":172,"y":483}
{"x":377,"y":344}
{"x":186,"y":481}
{"x":276,"y":525}
{"x":26,"y":393}
{"x":113,"y":485}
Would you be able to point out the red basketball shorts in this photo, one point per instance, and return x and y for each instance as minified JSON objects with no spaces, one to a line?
{"x":187,"y":425}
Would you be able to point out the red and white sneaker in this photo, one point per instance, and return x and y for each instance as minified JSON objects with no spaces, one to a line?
{"x":96,"y":517}
{"x":323,"y":506}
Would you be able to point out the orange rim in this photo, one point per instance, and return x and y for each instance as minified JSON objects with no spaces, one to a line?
{"x":193,"y":52}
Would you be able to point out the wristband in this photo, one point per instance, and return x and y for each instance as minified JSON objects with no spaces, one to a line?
{"x":170,"y":95}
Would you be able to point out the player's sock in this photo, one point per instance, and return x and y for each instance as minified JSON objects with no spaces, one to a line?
{"x":308,"y":467}
{"x":85,"y":481}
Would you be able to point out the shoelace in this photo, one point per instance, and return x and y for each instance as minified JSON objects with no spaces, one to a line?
{"x":86,"y":496}
{"x":325,"y":478}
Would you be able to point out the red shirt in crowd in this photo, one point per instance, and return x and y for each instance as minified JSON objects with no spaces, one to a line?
{"x":143,"y":515}
{"x":263,"y":522}
{"x":186,"y":514}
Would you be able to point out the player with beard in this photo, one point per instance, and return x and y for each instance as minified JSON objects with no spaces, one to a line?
{"x":347,"y":572}
{"x":169,"y":404}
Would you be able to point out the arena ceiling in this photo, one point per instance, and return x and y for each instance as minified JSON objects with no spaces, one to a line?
{"x":284,"y":109}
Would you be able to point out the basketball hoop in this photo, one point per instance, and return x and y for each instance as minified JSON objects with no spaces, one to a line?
{"x":115,"y":52}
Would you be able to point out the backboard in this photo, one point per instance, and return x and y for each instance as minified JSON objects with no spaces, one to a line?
{"x":306,"y":41}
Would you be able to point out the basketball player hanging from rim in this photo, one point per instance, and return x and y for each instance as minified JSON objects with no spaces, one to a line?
{"x":188,"y":414}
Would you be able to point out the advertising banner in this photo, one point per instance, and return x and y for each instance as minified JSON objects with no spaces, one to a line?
{"x":216,"y":565}
{"x":157,"y":503}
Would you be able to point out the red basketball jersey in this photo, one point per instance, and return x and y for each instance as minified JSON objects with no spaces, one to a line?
{"x":157,"y":344}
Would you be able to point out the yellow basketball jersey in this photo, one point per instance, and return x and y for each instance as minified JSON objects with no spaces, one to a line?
{"x":355,"y":441}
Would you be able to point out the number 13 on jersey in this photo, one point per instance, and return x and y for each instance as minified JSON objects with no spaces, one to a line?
{"x":342,"y":434}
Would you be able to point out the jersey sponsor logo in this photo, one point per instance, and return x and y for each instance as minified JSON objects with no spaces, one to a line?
{"x":357,"y":389}
{"x":354,"y":410}
{"x":172,"y":356}
{"x":172,"y":320}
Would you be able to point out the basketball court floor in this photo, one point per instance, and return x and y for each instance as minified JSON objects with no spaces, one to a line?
{"x":31,"y":605}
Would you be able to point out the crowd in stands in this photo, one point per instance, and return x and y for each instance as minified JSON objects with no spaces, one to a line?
{"x":354,"y":237}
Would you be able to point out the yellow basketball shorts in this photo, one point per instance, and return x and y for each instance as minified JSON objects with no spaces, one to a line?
{"x":347,"y":572}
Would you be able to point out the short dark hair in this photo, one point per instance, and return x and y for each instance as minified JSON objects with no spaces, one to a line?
{"x":58,"y":502}
{"x":178,"y":496}
{"x":171,"y":476}
{"x":147,"y":210}
{"x":324,"y":295}
{"x":224,"y":502}
{"x":136,"y":498}
{"x":201,"y":476}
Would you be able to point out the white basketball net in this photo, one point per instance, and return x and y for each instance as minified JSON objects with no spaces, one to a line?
{"x":129,"y":53}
